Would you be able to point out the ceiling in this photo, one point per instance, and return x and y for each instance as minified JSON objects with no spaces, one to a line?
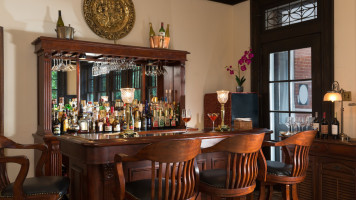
{"x":229,"y":2}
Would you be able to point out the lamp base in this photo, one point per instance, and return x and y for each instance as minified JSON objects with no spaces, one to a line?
{"x":223,"y":128}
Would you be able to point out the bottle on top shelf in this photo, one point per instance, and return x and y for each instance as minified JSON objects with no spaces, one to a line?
{"x":324,"y":127}
{"x":152,"y":32}
{"x":162,"y":32}
{"x":167,"y":31}
{"x":335,"y":127}
{"x":60,"y":20}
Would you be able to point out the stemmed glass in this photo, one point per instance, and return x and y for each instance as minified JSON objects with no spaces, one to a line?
{"x":298,"y":121}
{"x":288,"y":123}
{"x":303,"y":122}
{"x":186,"y":116}
{"x":213,"y":117}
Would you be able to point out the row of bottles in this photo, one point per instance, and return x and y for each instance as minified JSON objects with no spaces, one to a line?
{"x":162,"y":32}
{"x":114,"y":117}
{"x":322,"y":126}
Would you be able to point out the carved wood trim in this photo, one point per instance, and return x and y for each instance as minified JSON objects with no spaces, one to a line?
{"x":54,"y":157}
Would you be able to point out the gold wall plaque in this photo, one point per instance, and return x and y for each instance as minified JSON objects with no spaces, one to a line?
{"x":110,"y":19}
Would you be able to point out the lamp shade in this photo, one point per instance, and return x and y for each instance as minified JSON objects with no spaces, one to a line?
{"x":127,"y":94}
{"x":223,"y":96}
{"x":332,"y":96}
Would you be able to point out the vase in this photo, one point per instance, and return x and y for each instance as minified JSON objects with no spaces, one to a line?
{"x":239,"y":88}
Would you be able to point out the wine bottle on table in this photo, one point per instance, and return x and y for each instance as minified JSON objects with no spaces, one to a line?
{"x":60,"y":20}
{"x":316,"y":125}
{"x":335,"y":127}
{"x":167,"y":31}
{"x":324,"y":127}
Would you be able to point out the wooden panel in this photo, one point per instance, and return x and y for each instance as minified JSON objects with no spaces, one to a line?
{"x":77,"y":182}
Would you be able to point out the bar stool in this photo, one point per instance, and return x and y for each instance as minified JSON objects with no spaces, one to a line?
{"x":177,"y":177}
{"x":239,"y":177}
{"x":293,"y":170}
{"x":38,"y":187}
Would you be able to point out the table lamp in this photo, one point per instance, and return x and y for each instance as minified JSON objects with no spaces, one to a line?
{"x":127,"y":96}
{"x":223,"y":96}
{"x":336,"y":95}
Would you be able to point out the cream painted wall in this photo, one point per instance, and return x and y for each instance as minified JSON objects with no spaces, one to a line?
{"x":205,"y":29}
{"x":345,"y":59}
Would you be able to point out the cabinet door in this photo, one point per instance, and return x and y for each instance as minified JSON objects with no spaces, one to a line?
{"x":337,"y":179}
{"x":307,"y":187}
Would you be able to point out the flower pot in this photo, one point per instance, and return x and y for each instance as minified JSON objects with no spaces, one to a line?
{"x":239,"y":88}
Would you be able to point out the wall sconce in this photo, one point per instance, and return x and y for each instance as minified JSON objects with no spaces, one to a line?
{"x":127,"y":96}
{"x":337,"y":94}
{"x":223,"y":96}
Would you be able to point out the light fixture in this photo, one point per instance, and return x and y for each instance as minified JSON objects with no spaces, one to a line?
{"x":82,"y":56}
{"x":127,"y":96}
{"x":336,"y":94}
{"x":223,"y":96}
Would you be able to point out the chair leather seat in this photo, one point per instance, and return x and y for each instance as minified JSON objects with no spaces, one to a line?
{"x":279,"y":168}
{"x":40,"y":185}
{"x":141,"y":189}
{"x":214,"y":177}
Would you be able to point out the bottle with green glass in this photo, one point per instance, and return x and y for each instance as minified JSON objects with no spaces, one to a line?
{"x":60,"y":20}
{"x":167,"y":31}
{"x":152,"y":32}
{"x":162,"y":32}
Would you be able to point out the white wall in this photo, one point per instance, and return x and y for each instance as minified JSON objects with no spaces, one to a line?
{"x":345,"y":59}
{"x":210,"y":31}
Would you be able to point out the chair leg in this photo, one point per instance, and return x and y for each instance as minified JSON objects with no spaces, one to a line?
{"x":262,"y":195}
{"x":294,"y":192}
{"x":286,"y":192}
{"x":270,"y":192}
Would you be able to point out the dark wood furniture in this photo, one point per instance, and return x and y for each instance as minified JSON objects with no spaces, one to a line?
{"x":90,"y":158}
{"x":47,"y":48}
{"x":331,"y":174}
{"x":239,"y":176}
{"x":39,"y":187}
{"x":177,"y":176}
{"x":294,"y":169}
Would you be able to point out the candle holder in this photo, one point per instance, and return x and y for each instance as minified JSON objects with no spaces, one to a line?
{"x":223,"y":96}
{"x":127,"y":96}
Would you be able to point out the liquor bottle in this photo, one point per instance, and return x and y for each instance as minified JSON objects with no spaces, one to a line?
{"x":56,"y":124}
{"x":149,"y":117}
{"x":144,"y":120}
{"x":60,"y":20}
{"x":152,"y":33}
{"x":107,"y":124}
{"x":65,"y":124}
{"x":324,"y":127}
{"x":100,"y":125}
{"x":162,"y":32}
{"x":177,"y":115}
{"x":116,"y":124}
{"x":155,"y":119}
{"x":138,"y":123}
{"x":335,"y":127}
{"x":161,"y":119}
{"x":167,"y":31}
{"x":316,"y":125}
{"x":167,"y":118}
{"x":130,"y":119}
{"x":83,"y":124}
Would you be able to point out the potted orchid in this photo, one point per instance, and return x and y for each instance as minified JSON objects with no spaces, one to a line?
{"x":243,"y":62}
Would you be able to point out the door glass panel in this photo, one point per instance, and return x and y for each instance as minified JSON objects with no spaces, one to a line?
{"x":279,"y":96}
{"x":278,"y":66}
{"x":301,"y":96}
{"x":300,"y":63}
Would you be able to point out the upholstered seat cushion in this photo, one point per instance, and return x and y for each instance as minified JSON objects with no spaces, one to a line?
{"x":41,"y":185}
{"x":214,"y":177}
{"x":279,"y":168}
{"x":142,"y":189}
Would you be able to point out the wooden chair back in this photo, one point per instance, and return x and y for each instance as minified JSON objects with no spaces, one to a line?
{"x":175,"y":160}
{"x":243,"y":150}
{"x":300,"y":157}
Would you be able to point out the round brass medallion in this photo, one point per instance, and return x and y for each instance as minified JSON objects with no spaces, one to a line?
{"x":110,"y":19}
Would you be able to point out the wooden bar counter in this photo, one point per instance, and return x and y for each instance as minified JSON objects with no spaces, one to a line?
{"x":89,"y":158}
